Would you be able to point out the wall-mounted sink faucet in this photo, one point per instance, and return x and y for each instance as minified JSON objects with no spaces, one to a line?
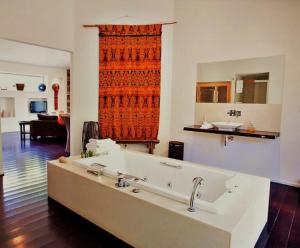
{"x":233,"y":112}
{"x":228,"y":139}
{"x":197,"y":181}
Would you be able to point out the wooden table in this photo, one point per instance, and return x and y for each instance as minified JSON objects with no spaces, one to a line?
{"x":23,"y":131}
{"x":149,"y":143}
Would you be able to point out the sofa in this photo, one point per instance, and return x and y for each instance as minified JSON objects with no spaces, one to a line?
{"x":47,"y":125}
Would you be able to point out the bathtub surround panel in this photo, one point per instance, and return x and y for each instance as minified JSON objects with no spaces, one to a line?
{"x":124,"y":221}
{"x":246,"y":231}
{"x":170,"y":224}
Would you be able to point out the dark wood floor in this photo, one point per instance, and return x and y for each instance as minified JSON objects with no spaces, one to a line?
{"x":283,"y":226}
{"x":29,"y":219}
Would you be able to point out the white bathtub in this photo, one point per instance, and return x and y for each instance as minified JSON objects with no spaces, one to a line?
{"x":231,"y":212}
{"x":168,"y":177}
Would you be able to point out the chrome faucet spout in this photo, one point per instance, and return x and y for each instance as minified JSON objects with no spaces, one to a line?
{"x":124,"y":179}
{"x":197,"y":181}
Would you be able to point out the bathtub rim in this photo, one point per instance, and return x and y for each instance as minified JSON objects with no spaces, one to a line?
{"x":201,"y":205}
{"x":229,"y":184}
{"x":228,"y":224}
{"x":106,"y":184}
{"x":105,"y":181}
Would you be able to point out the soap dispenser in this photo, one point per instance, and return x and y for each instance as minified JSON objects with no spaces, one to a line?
{"x":251,"y":127}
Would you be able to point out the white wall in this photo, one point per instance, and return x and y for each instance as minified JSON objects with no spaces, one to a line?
{"x":84,"y":90}
{"x":22,"y":97}
{"x":255,"y":113}
{"x":48,"y":23}
{"x":207,"y":30}
{"x":250,"y":155}
{"x":215,"y":30}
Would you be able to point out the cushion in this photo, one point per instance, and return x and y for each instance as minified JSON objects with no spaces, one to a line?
{"x":46,"y":117}
{"x":60,"y":120}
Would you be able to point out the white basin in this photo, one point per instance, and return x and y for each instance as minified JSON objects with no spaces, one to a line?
{"x":227,"y":126}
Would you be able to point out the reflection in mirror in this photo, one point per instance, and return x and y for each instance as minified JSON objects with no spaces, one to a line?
{"x":213,"y":92}
{"x":251,"y":88}
{"x":257,"y":80}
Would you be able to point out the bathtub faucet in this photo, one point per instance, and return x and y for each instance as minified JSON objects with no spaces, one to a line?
{"x":197,"y":181}
{"x":124,"y":179}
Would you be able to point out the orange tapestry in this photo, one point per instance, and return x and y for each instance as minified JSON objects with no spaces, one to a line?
{"x":129,"y":81}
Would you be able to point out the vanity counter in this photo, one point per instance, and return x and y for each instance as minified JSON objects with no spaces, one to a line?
{"x":238,"y":132}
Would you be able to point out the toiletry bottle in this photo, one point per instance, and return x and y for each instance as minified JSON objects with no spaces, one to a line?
{"x":251,"y":127}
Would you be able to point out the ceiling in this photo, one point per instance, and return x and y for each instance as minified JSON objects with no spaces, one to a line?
{"x":13,"y":51}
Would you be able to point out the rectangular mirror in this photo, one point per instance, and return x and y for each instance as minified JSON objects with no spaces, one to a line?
{"x":255,"y":80}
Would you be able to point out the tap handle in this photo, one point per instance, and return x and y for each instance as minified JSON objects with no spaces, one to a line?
{"x":231,"y":112}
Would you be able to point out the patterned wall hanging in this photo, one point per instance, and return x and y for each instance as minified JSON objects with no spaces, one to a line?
{"x":129,"y":81}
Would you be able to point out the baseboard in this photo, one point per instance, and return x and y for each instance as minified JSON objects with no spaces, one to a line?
{"x":297,"y":185}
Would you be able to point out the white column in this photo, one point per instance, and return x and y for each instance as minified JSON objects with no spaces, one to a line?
{"x":1,"y":160}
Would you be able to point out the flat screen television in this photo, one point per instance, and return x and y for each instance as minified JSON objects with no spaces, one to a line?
{"x":38,"y":106}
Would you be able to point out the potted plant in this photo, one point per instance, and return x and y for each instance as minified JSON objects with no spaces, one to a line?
{"x":20,"y":86}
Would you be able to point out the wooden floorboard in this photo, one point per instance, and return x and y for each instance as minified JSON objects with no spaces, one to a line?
{"x":280,"y":232}
{"x":294,"y":237}
{"x":29,"y":219}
